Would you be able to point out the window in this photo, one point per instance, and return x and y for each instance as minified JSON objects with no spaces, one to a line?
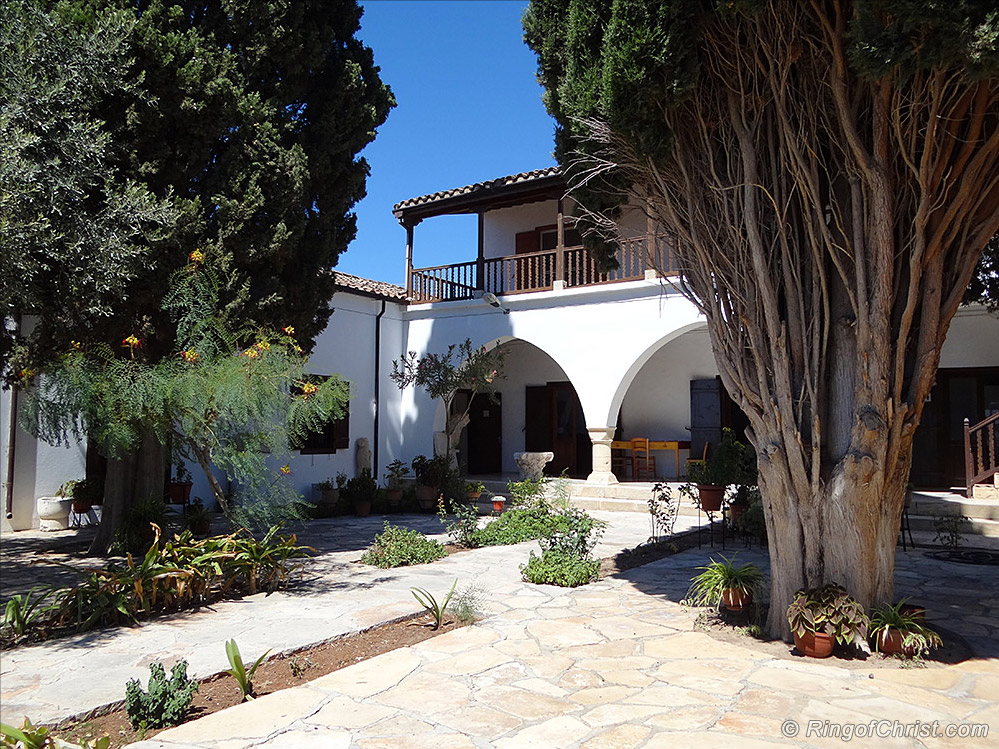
{"x":335,"y":436}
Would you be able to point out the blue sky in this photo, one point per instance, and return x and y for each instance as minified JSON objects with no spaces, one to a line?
{"x":469,"y":109}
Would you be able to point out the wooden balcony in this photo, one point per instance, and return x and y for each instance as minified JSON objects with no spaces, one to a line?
{"x":538,"y":271}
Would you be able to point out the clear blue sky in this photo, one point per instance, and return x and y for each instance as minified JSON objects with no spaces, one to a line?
{"x":469,"y":109}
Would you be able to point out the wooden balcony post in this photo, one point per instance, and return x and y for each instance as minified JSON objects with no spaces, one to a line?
{"x":409,"y":259}
{"x":480,"y":260}
{"x":560,"y":246}
{"x":969,"y":468}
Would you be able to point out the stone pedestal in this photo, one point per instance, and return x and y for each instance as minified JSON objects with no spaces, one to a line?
{"x":601,"y":437}
{"x":532,"y":465}
{"x":53,"y":513}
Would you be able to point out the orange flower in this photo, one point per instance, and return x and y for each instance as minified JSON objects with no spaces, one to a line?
{"x":289,"y":330}
{"x":26,"y":374}
{"x":286,"y":469}
{"x":308,"y":389}
{"x":251,"y":353}
{"x":190,"y":355}
{"x":196,"y":257}
{"x":263,"y":345}
{"x":132,"y":342}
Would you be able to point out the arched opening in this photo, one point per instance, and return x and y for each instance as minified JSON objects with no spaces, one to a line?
{"x":676,"y":396}
{"x":536,"y":409}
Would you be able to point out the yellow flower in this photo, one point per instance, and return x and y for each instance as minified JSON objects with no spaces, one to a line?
{"x":308,"y":389}
{"x":190,"y":355}
{"x":286,"y":469}
{"x":196,"y":257}
{"x":76,"y":345}
{"x":251,"y":353}
{"x":132,"y":342}
{"x":289,"y":330}
{"x":27,"y":374}
{"x":263,"y":345}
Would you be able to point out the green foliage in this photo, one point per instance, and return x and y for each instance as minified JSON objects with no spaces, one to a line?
{"x":461,"y":367}
{"x":467,"y":604}
{"x":949,"y":530}
{"x":729,"y":462}
{"x":663,"y":510}
{"x":753,"y":521}
{"x":399,"y":547}
{"x":463,"y":523}
{"x":515,"y":526}
{"x":135,"y":529}
{"x":28,"y":736}
{"x":242,"y":675}
{"x":166,"y":702}
{"x":707,"y":587}
{"x":555,"y":567}
{"x":75,"y":228}
{"x":474,"y":487}
{"x":22,"y":610}
{"x":181,"y":574}
{"x":395,"y":473}
{"x":572,"y":531}
{"x":829,"y":610}
{"x":984,"y":286}
{"x":917,"y":638}
{"x":361,"y":488}
{"x":428,"y":602}
{"x":527,"y":491}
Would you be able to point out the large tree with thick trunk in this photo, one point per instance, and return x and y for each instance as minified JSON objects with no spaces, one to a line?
{"x":827,"y":175}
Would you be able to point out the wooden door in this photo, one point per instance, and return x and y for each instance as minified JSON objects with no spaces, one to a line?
{"x":485,"y":434}
{"x":705,"y":414}
{"x":538,"y":419}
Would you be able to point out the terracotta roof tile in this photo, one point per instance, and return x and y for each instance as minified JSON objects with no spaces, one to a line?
{"x":513,"y":179}
{"x":380,"y":289}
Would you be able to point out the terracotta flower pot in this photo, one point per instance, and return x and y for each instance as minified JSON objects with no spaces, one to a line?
{"x":362,"y":508}
{"x":815,"y":645}
{"x":736,"y":511}
{"x":736,"y":599}
{"x":498,"y":505}
{"x":472,"y":496}
{"x":393,"y":497}
{"x":891,"y":644}
{"x":81,"y":508}
{"x":710,"y":497}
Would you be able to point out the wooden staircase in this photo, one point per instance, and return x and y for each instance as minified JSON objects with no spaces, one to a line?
{"x":981,"y":458}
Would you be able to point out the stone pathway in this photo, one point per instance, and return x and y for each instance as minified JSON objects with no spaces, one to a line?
{"x":72,"y":675}
{"x":613,"y":664}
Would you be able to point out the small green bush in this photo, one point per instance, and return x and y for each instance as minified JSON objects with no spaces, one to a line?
{"x":516,"y":526}
{"x":399,"y":547}
{"x":561,"y":568}
{"x":165,"y":703}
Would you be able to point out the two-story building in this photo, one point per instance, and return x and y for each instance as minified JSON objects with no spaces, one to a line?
{"x":590,"y":356}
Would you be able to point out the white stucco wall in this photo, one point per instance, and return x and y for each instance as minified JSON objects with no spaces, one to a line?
{"x":39,"y":469}
{"x":973,"y":339}
{"x":500,"y":227}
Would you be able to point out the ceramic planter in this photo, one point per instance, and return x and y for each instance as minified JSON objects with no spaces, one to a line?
{"x":81,"y":508}
{"x":736,"y":599}
{"x":711,"y":497}
{"x":891,"y":644}
{"x":393,"y":497}
{"x":362,"y":508}
{"x":498,"y":505}
{"x":53,"y":513}
{"x":815,"y":644}
{"x":427,"y":496}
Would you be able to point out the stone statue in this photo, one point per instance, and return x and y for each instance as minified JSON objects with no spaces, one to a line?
{"x":363,"y":459}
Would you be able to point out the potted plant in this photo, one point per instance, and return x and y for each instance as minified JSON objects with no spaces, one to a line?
{"x":197,"y":519}
{"x":397,"y":471}
{"x":77,"y":492}
{"x":329,"y":494}
{"x":896,"y":630}
{"x":474,"y":489}
{"x":822,"y":617}
{"x":431,"y":473}
{"x":727,"y":584}
{"x":498,"y":503}
{"x":745,"y":495}
{"x":361,"y":492}
{"x":179,"y":489}
{"x":731,"y":462}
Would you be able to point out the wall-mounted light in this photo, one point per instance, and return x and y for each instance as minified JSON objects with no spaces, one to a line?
{"x":490,"y":299}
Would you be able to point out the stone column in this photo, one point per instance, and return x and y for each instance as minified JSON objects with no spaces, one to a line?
{"x":601,"y":437}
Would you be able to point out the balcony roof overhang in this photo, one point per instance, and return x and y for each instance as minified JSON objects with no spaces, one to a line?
{"x":516,"y":189}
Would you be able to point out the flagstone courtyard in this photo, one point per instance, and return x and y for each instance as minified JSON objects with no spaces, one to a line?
{"x":618,"y":663}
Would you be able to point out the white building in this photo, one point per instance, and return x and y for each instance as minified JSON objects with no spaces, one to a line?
{"x":590,"y":356}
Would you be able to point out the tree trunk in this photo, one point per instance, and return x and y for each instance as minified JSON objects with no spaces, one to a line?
{"x":138,"y":475}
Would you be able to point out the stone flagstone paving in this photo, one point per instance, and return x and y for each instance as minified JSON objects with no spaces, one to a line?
{"x":613,"y":664}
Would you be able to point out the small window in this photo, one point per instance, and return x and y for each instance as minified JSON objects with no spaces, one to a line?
{"x":335,"y":436}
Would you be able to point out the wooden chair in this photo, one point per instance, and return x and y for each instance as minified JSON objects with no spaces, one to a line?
{"x":641,"y":461}
{"x":697,"y":461}
{"x":620,"y":463}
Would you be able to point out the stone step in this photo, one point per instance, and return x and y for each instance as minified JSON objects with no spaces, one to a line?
{"x":950,"y":503}
{"x":970,"y":527}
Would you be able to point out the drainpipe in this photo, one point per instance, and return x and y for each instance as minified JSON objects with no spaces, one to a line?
{"x":378,"y":352}
{"x":11,"y":440}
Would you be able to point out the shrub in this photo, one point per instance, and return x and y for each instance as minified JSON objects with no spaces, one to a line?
{"x":515,"y":526}
{"x":467,"y":604}
{"x":464,"y":524}
{"x":165,"y":703}
{"x":555,"y":567}
{"x":572,"y":532}
{"x":399,"y":547}
{"x":135,"y":532}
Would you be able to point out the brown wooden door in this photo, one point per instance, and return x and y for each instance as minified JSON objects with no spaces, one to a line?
{"x":485,"y":434}
{"x":537,"y":419}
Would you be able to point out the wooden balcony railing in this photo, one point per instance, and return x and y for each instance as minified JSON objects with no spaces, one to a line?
{"x":981,"y":459}
{"x":538,"y":271}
